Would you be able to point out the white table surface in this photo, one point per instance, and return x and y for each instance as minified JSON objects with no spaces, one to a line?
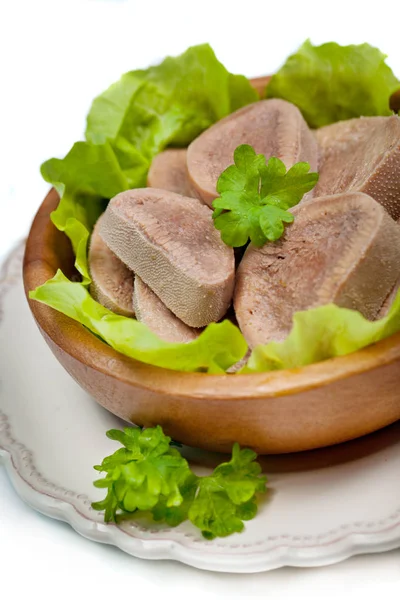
{"x":55,"y":57}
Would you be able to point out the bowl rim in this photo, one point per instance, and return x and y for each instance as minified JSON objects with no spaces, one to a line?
{"x":40,"y":264}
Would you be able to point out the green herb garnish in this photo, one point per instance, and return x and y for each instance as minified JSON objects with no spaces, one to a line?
{"x":149,"y":474}
{"x":255,"y":197}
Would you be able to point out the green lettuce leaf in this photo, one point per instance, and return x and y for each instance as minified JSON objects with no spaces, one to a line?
{"x":322,"y":333}
{"x":168,"y":104}
{"x":86,"y":176}
{"x":332,"y":83}
{"x":216,"y":349}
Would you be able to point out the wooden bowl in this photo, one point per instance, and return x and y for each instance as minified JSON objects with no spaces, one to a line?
{"x":282,"y":411}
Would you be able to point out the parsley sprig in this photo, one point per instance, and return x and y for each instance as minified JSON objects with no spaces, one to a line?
{"x":149,"y":474}
{"x":255,"y":196}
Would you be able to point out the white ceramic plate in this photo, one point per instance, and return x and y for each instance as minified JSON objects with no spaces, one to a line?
{"x":323,"y":506}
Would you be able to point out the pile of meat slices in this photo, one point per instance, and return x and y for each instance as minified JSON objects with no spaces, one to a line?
{"x":155,"y":253}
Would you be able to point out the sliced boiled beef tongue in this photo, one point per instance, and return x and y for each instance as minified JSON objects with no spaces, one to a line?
{"x":168,"y":172}
{"x":239,"y":365}
{"x":160,"y":320}
{"x":272,"y":127}
{"x":342,"y":249}
{"x":362,"y":155}
{"x":170,"y":242}
{"x":112,"y":281}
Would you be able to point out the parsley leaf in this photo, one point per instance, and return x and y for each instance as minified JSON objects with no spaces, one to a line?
{"x":148,"y":474}
{"x":227,"y":497}
{"x":174,"y":515}
{"x":146,"y":469}
{"x":255,"y":197}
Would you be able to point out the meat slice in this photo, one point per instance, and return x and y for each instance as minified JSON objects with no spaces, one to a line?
{"x":150,"y":310}
{"x":273,"y":127}
{"x":112,"y":281}
{"x":171,"y":243}
{"x":342,"y":249}
{"x":362,"y":155}
{"x":239,"y":365}
{"x":168,"y":172}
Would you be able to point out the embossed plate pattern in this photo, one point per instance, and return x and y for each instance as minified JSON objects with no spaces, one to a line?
{"x":323,"y":506}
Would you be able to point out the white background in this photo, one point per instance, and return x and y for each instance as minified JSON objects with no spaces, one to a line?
{"x":54,"y":58}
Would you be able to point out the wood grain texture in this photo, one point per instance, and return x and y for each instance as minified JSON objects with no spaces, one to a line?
{"x":278,"y":412}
